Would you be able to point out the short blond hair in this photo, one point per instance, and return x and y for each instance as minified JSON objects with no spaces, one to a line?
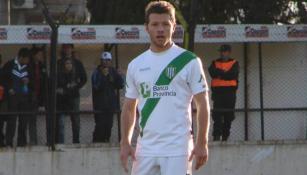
{"x":159,"y":7}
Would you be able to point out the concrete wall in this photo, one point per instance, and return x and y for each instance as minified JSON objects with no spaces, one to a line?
{"x":270,"y":158}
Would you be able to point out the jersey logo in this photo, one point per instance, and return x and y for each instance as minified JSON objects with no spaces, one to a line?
{"x":170,"y":72}
{"x":145,"y":90}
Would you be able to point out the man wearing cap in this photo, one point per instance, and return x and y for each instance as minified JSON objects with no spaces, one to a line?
{"x":105,"y":80}
{"x":224,"y":72}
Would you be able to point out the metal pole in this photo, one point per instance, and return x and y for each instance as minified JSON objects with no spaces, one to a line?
{"x":53,"y":73}
{"x":8,"y":12}
{"x":53,"y":85}
{"x":118,"y":94}
{"x":261,"y":89}
{"x":192,"y":24}
{"x":245,"y":62}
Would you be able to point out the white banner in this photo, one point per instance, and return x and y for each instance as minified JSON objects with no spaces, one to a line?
{"x":95,"y":34}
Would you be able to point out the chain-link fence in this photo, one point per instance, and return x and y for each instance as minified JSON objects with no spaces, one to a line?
{"x":271,"y":101}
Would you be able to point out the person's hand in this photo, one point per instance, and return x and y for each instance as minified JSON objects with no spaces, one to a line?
{"x":120,"y":72}
{"x":25,"y":80}
{"x":11,"y":92}
{"x":105,"y":71}
{"x":201,"y":154}
{"x":126,"y":150}
{"x":72,"y":85}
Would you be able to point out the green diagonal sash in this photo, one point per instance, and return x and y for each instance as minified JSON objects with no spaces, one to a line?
{"x":165,"y":79}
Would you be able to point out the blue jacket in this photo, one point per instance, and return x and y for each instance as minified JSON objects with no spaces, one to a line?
{"x":103,"y":89}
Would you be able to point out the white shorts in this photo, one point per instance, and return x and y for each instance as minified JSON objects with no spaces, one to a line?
{"x":179,"y":165}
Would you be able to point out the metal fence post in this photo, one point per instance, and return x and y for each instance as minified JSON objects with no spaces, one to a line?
{"x":245,"y":63}
{"x":53,"y":75}
{"x":118,"y":94}
{"x":261,"y":89}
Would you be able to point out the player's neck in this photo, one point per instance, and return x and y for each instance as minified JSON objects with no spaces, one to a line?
{"x":158,"y":49}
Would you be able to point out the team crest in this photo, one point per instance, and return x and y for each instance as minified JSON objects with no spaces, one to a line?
{"x":170,"y":72}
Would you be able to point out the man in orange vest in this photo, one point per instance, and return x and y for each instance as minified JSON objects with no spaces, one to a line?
{"x":224,"y":72}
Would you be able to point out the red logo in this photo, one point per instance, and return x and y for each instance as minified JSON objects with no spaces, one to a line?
{"x":83,"y":34}
{"x":252,"y":32}
{"x":218,"y":32}
{"x":3,"y":34}
{"x":132,"y":33}
{"x":295,"y":32}
{"x":38,"y":33}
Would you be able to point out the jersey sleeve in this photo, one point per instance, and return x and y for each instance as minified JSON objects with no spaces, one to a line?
{"x":196,"y":78}
{"x":131,"y":88}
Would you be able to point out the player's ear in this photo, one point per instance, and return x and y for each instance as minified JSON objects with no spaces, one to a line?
{"x":146,"y":27}
{"x":174,"y":27}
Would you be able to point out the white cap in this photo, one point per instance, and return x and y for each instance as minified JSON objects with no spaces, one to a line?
{"x":106,"y":56}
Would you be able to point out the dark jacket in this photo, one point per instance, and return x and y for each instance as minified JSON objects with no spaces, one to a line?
{"x":67,"y":83}
{"x":231,"y":74}
{"x":13,"y":81}
{"x":103,"y":89}
{"x":80,"y":73}
{"x":39,"y":95}
{"x":2,"y":86}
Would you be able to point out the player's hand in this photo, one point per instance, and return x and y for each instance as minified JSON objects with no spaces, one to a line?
{"x":126,"y":151}
{"x":201,"y":154}
{"x":105,"y":71}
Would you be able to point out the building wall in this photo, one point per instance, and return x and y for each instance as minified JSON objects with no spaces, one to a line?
{"x":34,"y":15}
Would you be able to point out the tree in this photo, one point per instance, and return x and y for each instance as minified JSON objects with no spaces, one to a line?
{"x":253,"y":11}
{"x":117,"y":11}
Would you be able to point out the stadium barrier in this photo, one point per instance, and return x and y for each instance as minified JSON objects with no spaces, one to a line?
{"x":271,"y":102}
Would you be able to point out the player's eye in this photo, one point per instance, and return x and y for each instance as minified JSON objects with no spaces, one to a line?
{"x":166,"y":24}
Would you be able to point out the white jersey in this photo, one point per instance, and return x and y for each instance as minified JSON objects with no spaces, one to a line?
{"x":164,"y":84}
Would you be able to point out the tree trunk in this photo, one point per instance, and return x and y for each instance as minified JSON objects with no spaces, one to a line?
{"x":3,"y":12}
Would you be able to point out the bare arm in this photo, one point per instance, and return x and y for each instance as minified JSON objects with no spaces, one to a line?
{"x":127,"y":125}
{"x":203,"y":113}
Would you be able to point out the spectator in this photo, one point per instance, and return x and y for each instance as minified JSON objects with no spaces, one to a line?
{"x":79,"y":79}
{"x":18,"y":87}
{"x":66,"y":92}
{"x":3,"y":106}
{"x":224,"y":73}
{"x":39,"y":79}
{"x":105,"y":80}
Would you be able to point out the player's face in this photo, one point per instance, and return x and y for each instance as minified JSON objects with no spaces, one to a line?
{"x":39,"y":56}
{"x":24,"y":60}
{"x":225,"y":53}
{"x":160,"y":29}
{"x":106,"y":62}
{"x":68,"y":66}
{"x":67,"y":51}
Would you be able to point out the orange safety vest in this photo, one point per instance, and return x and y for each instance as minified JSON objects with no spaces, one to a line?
{"x":225,"y":66}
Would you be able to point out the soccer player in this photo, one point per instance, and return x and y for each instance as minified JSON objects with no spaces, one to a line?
{"x":161,"y":83}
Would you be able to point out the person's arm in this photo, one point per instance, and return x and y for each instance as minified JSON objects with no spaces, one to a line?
{"x":128,"y":116}
{"x":82,"y":75}
{"x":199,"y":88}
{"x":200,"y":151}
{"x":118,"y":80}
{"x":7,"y":80}
{"x":215,"y":72}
